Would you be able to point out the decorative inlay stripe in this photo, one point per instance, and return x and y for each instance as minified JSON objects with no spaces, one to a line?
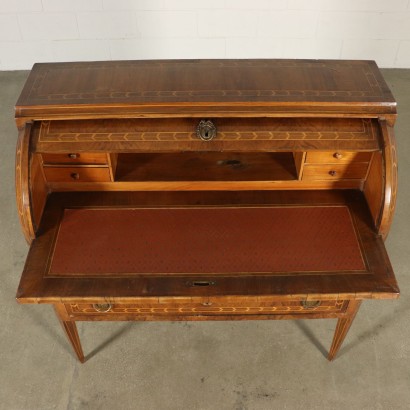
{"x":141,"y":310}
{"x":47,"y":135}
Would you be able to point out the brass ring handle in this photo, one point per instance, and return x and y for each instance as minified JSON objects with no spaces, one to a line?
{"x":206,"y":130}
{"x":338,"y":155}
{"x":75,"y":175}
{"x":102,"y":307}
{"x":310,"y":304}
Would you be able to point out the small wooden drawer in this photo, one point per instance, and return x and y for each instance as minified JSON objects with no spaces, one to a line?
{"x":335,"y":157}
{"x":354,"y":170}
{"x":75,"y":158}
{"x":207,"y":307}
{"x":77,"y":174}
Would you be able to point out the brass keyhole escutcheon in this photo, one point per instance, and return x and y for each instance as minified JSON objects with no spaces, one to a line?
{"x":102,"y":307}
{"x":310,"y":304}
{"x":206,"y":130}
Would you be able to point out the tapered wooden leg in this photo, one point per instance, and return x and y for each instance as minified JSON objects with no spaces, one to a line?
{"x":70,"y":330}
{"x":342,"y":327}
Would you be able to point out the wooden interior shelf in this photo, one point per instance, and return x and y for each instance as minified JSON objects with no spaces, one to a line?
{"x":206,"y":166}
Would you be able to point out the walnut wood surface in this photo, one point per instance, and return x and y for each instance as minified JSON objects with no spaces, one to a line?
{"x":70,"y":329}
{"x":235,"y":85}
{"x":233,"y":134}
{"x":342,"y":327}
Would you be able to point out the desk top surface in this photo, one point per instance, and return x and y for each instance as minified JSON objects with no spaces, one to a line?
{"x":304,"y":85}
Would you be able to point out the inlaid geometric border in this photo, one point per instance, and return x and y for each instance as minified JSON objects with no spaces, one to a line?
{"x":334,"y":306}
{"x":47,"y":135}
{"x":375,"y":90}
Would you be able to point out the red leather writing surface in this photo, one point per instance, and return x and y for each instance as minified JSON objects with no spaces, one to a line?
{"x":206,"y":240}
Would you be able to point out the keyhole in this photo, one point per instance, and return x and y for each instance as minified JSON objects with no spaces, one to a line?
{"x":201,"y":283}
{"x":206,"y":134}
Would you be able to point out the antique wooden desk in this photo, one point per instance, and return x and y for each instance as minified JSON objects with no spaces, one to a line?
{"x":206,"y":190}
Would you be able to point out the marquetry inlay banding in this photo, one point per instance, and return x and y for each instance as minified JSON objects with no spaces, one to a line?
{"x":364,"y":131}
{"x":371,"y":87}
{"x":330,"y":306}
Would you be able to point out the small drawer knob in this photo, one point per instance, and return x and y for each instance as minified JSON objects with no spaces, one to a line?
{"x":206,"y":130}
{"x":102,"y":307}
{"x":73,"y":156}
{"x":332,"y":173}
{"x":338,"y":155}
{"x":310,"y":304}
{"x":75,"y":175}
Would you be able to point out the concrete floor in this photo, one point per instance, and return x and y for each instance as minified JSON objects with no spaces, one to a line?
{"x":210,"y":365}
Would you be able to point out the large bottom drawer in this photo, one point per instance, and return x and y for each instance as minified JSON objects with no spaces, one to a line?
{"x":246,"y":306}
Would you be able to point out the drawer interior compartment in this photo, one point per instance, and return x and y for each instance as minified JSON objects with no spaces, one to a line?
{"x":318,"y":244}
{"x":206,"y":166}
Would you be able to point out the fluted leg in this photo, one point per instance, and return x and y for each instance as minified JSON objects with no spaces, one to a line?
{"x":342,"y":327}
{"x":71,"y":332}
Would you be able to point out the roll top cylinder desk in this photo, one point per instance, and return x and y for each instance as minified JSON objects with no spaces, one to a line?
{"x":206,"y":190}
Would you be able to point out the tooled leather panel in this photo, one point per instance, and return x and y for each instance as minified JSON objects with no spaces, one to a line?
{"x":201,"y":240}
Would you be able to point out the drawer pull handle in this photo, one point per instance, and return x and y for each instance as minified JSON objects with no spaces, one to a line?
{"x":310,"y":304}
{"x":200,"y":283}
{"x":338,"y":155}
{"x":332,"y":173}
{"x":206,"y":130}
{"x":102,"y":307}
{"x":75,"y":175}
{"x":73,"y":156}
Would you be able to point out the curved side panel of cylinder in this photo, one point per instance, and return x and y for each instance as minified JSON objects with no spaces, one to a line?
{"x":390,"y":183}
{"x":23,"y":182}
{"x":381,"y":185}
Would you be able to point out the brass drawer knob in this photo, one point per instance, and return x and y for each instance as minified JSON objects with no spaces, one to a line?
{"x":102,"y":307}
{"x":75,"y":175}
{"x":332,"y":173}
{"x":310,"y":304}
{"x":206,"y":130}
{"x":73,"y":156}
{"x":338,"y":155}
